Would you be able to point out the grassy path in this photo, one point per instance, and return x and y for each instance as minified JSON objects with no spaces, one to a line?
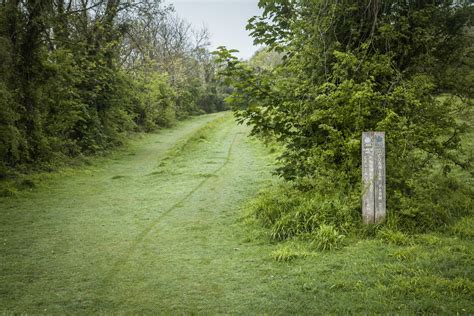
{"x":150,"y":230}
{"x":156,"y":229}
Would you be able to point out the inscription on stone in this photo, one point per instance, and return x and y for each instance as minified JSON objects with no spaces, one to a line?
{"x":373,"y":177}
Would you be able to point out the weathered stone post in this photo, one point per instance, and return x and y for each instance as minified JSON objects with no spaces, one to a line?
{"x":373,"y":177}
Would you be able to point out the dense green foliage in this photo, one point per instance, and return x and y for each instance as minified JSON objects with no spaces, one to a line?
{"x":403,"y":67}
{"x":77,"y":76}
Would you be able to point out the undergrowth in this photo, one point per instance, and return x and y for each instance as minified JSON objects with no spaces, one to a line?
{"x":288,"y":210}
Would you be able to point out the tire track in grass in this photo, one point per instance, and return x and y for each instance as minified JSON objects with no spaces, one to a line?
{"x":141,"y":237}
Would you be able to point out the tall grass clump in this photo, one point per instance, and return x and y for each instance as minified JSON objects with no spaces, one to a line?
{"x":327,"y":238}
{"x":288,"y":253}
{"x":394,"y":237}
{"x":289,"y":211}
{"x":464,"y":228}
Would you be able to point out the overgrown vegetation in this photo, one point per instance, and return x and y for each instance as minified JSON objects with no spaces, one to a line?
{"x":77,"y":76}
{"x":403,"y":67}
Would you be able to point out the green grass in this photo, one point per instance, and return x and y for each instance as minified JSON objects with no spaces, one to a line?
{"x":129,"y":234}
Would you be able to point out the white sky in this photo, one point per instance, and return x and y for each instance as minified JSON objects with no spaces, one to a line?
{"x":225,"y":20}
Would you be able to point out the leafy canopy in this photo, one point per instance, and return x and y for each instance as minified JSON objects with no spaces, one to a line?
{"x":404,"y":67}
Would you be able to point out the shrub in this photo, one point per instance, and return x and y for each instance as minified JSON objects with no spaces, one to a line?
{"x":432,"y":203}
{"x":154,"y":105}
{"x":336,"y":84}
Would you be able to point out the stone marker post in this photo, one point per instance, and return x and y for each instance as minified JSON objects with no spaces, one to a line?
{"x":373,"y":177}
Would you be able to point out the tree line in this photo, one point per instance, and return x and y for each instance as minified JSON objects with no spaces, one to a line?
{"x":77,"y":75}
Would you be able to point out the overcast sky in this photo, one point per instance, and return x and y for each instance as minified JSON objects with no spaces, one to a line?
{"x":225,"y":20}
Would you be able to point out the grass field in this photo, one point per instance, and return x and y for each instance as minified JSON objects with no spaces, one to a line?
{"x":159,"y":227}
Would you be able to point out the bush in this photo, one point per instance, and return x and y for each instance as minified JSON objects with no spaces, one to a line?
{"x":336,"y":84}
{"x":432,"y":204}
{"x":154,"y":104}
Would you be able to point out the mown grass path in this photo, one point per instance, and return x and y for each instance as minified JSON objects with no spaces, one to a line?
{"x":151,"y":230}
{"x":155,"y":229}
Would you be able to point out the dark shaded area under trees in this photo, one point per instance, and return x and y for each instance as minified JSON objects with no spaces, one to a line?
{"x":77,"y":75}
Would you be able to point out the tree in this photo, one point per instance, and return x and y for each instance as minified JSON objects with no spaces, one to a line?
{"x":353,"y":66}
{"x":265,"y":58}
